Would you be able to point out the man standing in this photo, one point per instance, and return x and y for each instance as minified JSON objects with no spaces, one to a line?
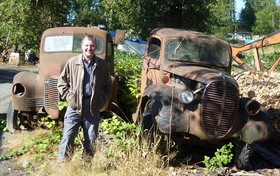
{"x":85,"y":83}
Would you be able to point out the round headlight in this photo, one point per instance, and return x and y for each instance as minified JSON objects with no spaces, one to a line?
{"x":187,"y":97}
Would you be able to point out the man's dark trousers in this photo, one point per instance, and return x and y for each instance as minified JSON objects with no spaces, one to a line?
{"x":72,"y":122}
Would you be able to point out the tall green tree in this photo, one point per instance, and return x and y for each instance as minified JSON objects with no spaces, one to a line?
{"x":86,"y":12}
{"x":141,"y":16}
{"x":247,"y":18}
{"x":222,"y":17}
{"x":267,"y":14}
{"x":24,"y":21}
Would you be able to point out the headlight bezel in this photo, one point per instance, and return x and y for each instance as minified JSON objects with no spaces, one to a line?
{"x":187,"y":96}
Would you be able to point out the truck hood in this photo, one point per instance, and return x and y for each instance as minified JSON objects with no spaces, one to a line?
{"x":198,"y":73}
{"x":52,"y":64}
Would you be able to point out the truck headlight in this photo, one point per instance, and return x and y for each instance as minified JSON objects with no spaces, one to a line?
{"x":187,"y":97}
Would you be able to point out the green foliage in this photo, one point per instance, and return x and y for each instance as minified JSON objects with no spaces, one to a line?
{"x":270,"y":59}
{"x":45,"y":142}
{"x":115,"y":126}
{"x":3,"y":125}
{"x":22,"y":22}
{"x":221,"y":16}
{"x":42,"y":146}
{"x":267,"y":16}
{"x":128,"y":70}
{"x":223,"y":156}
{"x":141,"y":16}
{"x":86,"y":12}
{"x":247,"y":18}
{"x":62,"y":105}
{"x":121,"y":133}
{"x":267,"y":59}
{"x":48,"y":122}
{"x":13,"y":153}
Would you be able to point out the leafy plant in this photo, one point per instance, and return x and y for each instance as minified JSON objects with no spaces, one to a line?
{"x":42,"y":145}
{"x":268,"y":57}
{"x":14,"y":152}
{"x":44,"y":142}
{"x":223,"y":156}
{"x":3,"y":125}
{"x":62,"y":105}
{"x":117,"y":127}
{"x":48,"y":122}
{"x":119,"y":131}
{"x":128,"y":70}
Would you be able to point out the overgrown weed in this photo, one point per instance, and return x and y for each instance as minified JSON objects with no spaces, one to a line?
{"x":127,"y":153}
{"x":130,"y":153}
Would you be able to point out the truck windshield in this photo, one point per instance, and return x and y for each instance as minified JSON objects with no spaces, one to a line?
{"x":187,"y":51}
{"x":69,"y":43}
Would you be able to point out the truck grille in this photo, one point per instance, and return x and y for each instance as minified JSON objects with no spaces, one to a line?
{"x":51,"y":93}
{"x":219,"y":106}
{"x":34,"y":102}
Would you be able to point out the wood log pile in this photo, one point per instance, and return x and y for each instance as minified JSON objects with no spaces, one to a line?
{"x":266,"y":87}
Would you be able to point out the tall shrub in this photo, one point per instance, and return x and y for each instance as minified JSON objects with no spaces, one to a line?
{"x":128,"y":70}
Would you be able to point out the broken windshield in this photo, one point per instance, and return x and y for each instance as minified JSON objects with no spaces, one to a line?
{"x":188,"y":51}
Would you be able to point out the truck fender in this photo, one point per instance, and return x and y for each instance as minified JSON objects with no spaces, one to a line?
{"x":162,"y":98}
{"x":25,"y":85}
{"x":258,"y":127}
{"x":146,"y":96}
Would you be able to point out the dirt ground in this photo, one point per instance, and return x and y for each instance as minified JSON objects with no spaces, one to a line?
{"x":7,"y":167}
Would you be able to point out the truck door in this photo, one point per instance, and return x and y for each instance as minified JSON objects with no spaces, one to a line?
{"x":151,"y":64}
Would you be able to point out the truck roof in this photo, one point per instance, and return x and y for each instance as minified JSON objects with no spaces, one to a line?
{"x":76,"y":30}
{"x":193,"y":35}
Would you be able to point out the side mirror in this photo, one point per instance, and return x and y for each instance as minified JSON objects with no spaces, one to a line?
{"x":119,"y":37}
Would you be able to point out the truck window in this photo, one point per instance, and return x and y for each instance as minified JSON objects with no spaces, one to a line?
{"x":188,"y":51}
{"x":69,"y":43}
{"x":154,"y":48}
{"x":58,"y":43}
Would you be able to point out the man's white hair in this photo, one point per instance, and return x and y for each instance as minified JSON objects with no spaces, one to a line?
{"x":90,"y":37}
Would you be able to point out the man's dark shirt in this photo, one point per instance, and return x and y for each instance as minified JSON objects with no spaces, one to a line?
{"x":88,"y":77}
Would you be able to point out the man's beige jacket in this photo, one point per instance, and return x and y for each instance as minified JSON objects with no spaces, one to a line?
{"x":70,"y":84}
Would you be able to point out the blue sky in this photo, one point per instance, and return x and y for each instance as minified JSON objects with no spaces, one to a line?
{"x":239,"y":4}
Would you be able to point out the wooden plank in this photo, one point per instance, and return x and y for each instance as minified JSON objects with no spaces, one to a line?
{"x":274,"y":66}
{"x":257,"y":60}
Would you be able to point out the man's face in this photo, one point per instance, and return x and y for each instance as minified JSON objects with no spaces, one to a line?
{"x":88,"y":47}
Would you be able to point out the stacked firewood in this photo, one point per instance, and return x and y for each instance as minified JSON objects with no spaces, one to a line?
{"x":266,"y":87}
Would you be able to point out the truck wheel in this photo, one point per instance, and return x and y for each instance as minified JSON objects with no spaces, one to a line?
{"x":243,"y":155}
{"x":12,"y":119}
